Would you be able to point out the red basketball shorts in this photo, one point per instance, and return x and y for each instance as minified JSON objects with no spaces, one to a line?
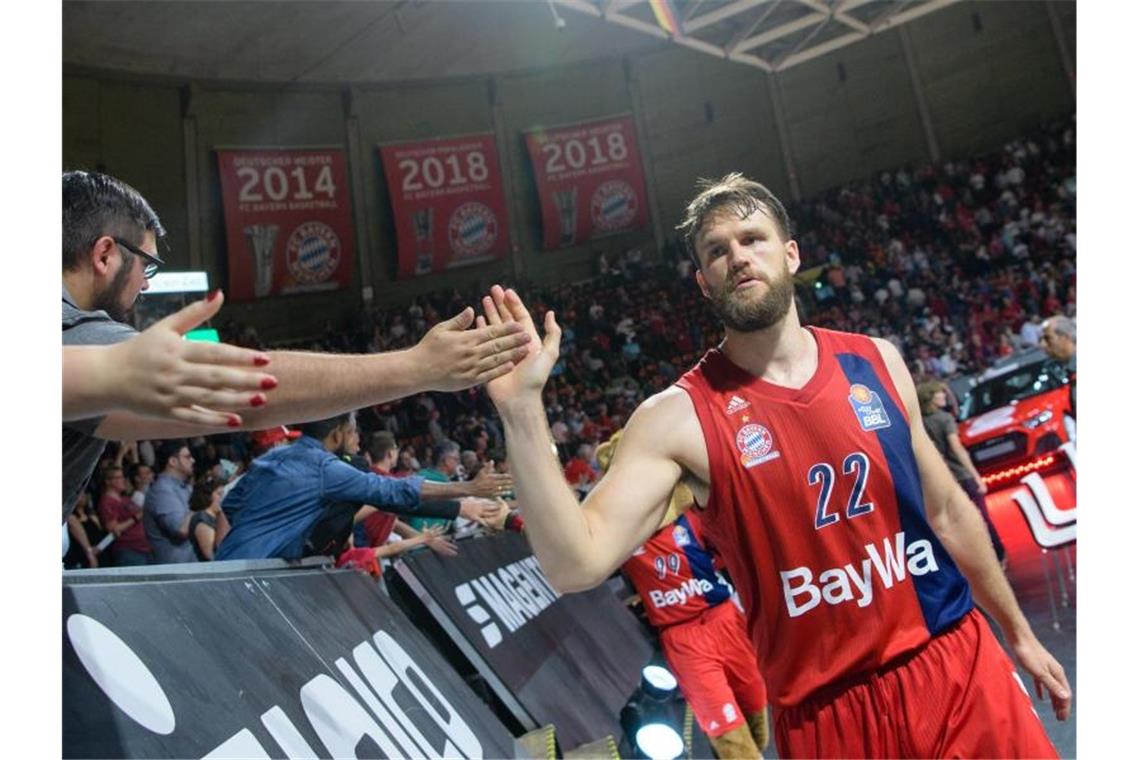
{"x":715,"y":665}
{"x":959,"y":696}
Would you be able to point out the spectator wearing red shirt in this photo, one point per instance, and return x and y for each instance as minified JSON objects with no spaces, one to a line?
{"x":123,"y":518}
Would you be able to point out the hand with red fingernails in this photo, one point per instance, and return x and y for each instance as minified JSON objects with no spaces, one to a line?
{"x":160,"y":374}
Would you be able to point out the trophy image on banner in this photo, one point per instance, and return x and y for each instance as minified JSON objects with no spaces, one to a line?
{"x":422,"y":224}
{"x":567,"y":203}
{"x":262,"y":238}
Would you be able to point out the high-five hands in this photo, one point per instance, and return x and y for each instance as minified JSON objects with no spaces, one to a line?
{"x":528,"y":376}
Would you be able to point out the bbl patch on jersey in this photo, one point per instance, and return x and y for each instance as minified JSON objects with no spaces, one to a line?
{"x":869,"y":408}
{"x":681,"y":536}
{"x":755,"y":444}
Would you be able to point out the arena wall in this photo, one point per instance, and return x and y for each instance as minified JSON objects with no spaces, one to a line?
{"x":985,"y":72}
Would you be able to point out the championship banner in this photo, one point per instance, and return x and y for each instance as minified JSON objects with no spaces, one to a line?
{"x":572,"y":660}
{"x":288,"y":221}
{"x":589,"y":178}
{"x":309,"y":663}
{"x":447,"y":201}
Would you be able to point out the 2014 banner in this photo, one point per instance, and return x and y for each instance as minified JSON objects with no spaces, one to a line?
{"x":288,"y":220}
{"x":590,"y":181}
{"x":447,"y":201}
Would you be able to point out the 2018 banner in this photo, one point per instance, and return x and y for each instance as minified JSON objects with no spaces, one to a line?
{"x":288,"y":221}
{"x":447,"y":201}
{"x":590,"y":181}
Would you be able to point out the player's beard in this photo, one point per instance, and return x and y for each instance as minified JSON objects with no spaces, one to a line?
{"x":742,"y":314}
{"x":111,"y":299}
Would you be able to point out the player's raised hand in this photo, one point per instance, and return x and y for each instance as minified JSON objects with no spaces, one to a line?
{"x":161,"y":375}
{"x":1048,"y":675}
{"x":454,"y":358}
{"x":503,"y":307}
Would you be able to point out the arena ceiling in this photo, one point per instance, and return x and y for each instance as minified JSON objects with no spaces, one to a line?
{"x":414,"y":40}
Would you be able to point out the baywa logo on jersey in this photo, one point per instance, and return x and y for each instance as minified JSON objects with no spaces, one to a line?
{"x":869,"y":408}
{"x":755,"y":444}
{"x":312,"y":253}
{"x":613,"y":205}
{"x":472,"y":230}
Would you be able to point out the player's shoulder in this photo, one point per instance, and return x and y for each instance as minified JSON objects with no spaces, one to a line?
{"x":669,"y":405}
{"x":663,"y":415}
{"x":889,"y":351}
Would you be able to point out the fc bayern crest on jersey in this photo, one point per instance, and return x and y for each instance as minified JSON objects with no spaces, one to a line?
{"x":681,"y":536}
{"x":312,"y":253}
{"x":472,"y":230}
{"x":613,"y":205}
{"x":755,"y":443}
{"x":869,"y":408}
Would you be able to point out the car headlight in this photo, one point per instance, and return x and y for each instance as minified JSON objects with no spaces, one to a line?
{"x":1040,"y":419}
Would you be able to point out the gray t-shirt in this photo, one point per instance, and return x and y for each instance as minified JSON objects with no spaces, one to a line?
{"x":940,"y":426}
{"x":81,"y":449}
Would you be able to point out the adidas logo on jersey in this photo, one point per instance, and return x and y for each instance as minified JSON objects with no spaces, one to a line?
{"x":839,"y":585}
{"x":683,"y":593}
{"x":736,"y":404}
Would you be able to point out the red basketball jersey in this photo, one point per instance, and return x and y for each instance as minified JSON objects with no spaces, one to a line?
{"x":674,"y":573}
{"x":816,"y":507}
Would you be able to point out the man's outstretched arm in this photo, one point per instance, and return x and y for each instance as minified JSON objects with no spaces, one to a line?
{"x":313,"y":386}
{"x":958,"y":525}
{"x":578,"y":546}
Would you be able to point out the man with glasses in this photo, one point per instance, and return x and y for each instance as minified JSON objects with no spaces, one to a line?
{"x":110,"y":249}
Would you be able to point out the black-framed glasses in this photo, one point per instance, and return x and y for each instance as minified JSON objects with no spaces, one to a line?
{"x":151,"y":263}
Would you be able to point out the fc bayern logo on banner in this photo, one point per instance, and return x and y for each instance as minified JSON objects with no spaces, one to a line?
{"x":472,"y":230}
{"x":613,"y":205}
{"x":312,"y":253}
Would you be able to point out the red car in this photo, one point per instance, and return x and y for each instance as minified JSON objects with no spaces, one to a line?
{"x":1012,"y":418}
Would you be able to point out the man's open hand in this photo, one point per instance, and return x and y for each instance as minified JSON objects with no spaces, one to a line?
{"x":454,"y":358}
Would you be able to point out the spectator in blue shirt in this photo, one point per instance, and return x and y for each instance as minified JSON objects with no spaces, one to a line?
{"x":166,"y":511}
{"x":286,"y":492}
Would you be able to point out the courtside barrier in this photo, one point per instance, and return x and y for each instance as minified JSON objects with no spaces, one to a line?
{"x":257,"y":660}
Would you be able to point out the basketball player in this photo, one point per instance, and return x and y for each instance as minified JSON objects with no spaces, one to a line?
{"x":702,"y":630}
{"x":857,"y":556}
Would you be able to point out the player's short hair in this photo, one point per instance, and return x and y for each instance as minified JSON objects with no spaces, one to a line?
{"x":97,"y":204}
{"x":731,"y":192}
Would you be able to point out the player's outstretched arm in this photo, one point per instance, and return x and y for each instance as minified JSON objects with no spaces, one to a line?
{"x":314,"y":386}
{"x":959,"y":526}
{"x":578,"y":546}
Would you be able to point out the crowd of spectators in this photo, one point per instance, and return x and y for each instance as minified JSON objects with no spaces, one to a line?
{"x":957,"y":264}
